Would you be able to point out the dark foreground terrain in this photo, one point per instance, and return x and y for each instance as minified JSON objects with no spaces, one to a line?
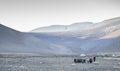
{"x":56,"y":63}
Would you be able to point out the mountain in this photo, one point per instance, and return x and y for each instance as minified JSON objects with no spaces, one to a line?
{"x":77,"y":38}
{"x":85,"y":37}
{"x":64,"y":28}
{"x":12,"y":41}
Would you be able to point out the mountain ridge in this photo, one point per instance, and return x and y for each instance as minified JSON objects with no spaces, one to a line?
{"x":77,"y":38}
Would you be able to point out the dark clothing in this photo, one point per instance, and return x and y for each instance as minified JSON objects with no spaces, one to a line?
{"x":94,"y":59}
{"x":90,"y":60}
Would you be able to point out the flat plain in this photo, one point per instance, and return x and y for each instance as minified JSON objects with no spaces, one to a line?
{"x":57,"y":63}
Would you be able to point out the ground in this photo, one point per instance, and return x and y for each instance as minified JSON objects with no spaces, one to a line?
{"x":57,"y":63}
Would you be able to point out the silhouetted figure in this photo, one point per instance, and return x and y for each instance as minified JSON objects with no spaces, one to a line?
{"x":90,"y":60}
{"x":94,"y":58}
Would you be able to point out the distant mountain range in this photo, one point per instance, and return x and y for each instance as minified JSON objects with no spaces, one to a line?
{"x":84,"y":37}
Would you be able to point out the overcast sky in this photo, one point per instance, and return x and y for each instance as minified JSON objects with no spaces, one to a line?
{"x":25,"y":15}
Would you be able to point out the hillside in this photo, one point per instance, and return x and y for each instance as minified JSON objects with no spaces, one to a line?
{"x":97,"y":37}
{"x":12,"y":41}
{"x":77,"y":38}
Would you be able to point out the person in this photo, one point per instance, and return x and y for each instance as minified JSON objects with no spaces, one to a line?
{"x":90,"y":60}
{"x":94,"y":58}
